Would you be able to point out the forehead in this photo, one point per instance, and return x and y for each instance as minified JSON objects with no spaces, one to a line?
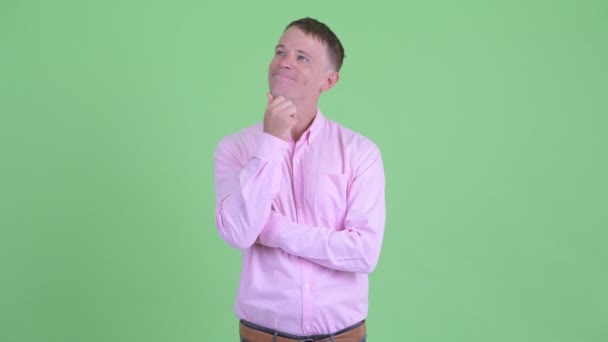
{"x":294,"y":38}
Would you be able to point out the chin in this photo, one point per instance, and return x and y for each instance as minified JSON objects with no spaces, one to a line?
{"x":285,"y":90}
{"x":280,"y":92}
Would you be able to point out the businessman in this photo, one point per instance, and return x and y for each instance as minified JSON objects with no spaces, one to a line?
{"x":303,"y":199}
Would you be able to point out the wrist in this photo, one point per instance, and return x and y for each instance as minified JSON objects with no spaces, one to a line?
{"x":271,"y":147}
{"x":270,"y":236}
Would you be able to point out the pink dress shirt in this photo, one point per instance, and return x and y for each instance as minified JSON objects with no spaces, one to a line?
{"x":318,"y":208}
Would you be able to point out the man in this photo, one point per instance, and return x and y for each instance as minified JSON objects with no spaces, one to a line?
{"x":303,"y":199}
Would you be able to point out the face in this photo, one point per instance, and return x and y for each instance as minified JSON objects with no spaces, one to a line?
{"x":300,"y":69}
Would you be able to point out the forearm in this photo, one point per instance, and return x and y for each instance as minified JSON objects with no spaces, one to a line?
{"x":244,"y":195}
{"x":355,"y":248}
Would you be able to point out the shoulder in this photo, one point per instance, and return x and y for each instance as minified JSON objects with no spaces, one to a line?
{"x":351,"y":139}
{"x":239,"y":145}
{"x":243,"y":137}
{"x":359,"y":152}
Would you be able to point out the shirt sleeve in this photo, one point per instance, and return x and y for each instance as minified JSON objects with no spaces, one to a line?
{"x":356,"y":247}
{"x":244,"y":192}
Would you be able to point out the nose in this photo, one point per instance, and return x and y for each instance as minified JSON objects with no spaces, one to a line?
{"x":286,"y":61}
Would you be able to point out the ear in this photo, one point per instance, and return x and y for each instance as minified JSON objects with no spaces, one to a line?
{"x":329,"y":81}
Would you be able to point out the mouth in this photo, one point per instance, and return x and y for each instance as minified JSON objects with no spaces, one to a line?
{"x":283,"y":76}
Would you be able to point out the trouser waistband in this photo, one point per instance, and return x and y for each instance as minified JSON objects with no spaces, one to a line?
{"x":255,"y":333}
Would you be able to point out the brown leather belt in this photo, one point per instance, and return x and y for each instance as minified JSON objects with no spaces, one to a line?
{"x":252,"y":333}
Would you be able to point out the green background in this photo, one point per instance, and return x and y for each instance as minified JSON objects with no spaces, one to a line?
{"x":491,"y":117}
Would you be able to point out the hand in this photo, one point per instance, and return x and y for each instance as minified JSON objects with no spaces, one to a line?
{"x":280,"y":117}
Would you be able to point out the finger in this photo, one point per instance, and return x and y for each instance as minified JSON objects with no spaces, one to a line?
{"x":291,"y":111}
{"x":283,"y":107}
{"x":276,"y":101}
{"x":270,"y":97}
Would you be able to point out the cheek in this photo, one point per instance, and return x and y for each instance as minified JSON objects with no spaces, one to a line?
{"x":273,"y":64}
{"x":312,"y":80}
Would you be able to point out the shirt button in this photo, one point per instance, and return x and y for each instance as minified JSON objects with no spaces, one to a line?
{"x":297,"y":161}
{"x":306,"y":286}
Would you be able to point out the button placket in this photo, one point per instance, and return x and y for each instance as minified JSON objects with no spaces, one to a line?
{"x":297,"y":171}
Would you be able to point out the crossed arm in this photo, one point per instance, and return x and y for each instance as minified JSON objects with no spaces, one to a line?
{"x":244,"y":214}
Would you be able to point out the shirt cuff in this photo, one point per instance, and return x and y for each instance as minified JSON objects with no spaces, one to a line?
{"x":272,"y":148}
{"x":270,"y":235}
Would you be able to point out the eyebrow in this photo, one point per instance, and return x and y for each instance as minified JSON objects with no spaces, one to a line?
{"x":298,"y":51}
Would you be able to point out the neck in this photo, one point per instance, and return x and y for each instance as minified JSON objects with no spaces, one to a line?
{"x":306,"y":114}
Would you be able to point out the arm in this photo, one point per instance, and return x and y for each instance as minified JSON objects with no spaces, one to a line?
{"x":356,"y":248}
{"x":244,"y":193}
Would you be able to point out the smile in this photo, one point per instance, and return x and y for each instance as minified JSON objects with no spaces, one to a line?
{"x":283,"y":76}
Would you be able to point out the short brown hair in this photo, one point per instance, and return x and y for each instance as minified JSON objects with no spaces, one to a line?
{"x":320,"y":31}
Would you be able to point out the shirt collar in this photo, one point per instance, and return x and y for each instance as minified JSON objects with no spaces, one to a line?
{"x":315,"y":127}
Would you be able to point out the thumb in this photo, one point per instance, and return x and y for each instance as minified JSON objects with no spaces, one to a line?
{"x":270,"y":97}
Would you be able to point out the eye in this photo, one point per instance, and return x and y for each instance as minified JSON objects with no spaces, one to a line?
{"x":302,"y":58}
{"x":279,"y":52}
